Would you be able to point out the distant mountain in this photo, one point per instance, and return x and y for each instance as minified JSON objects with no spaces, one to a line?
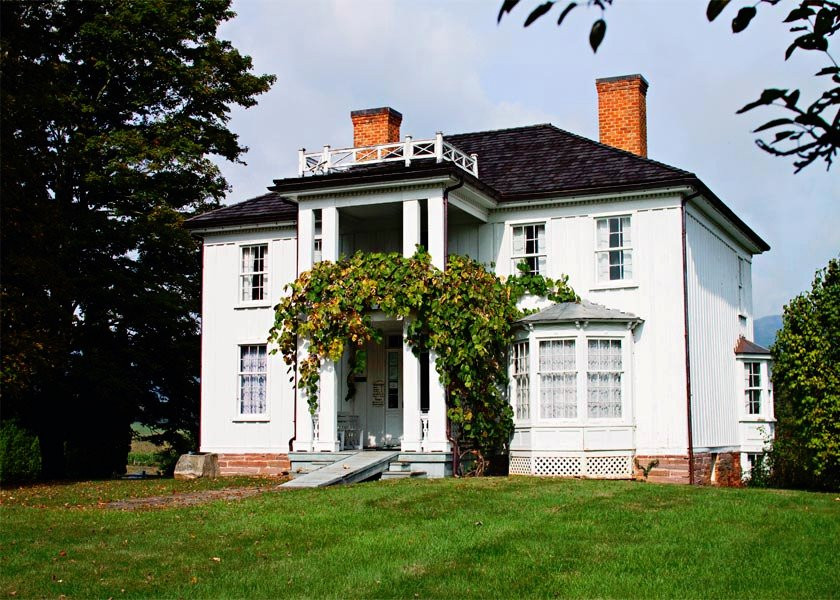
{"x":766,"y":328}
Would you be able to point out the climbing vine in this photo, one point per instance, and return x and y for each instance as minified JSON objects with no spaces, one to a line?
{"x":464,"y":314}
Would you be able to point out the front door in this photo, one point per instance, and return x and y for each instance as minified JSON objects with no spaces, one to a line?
{"x":384,"y":403}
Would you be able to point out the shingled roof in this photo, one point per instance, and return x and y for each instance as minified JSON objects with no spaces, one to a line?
{"x":563,"y":312}
{"x":536,"y":161}
{"x":268,"y":208}
{"x":745,"y":346}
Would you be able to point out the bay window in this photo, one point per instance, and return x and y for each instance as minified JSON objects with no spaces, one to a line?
{"x":558,"y":379}
{"x":603,"y":379}
{"x":752,"y":387}
{"x":521,"y":380}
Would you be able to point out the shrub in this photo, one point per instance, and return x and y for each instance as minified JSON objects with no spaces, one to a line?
{"x":20,"y":454}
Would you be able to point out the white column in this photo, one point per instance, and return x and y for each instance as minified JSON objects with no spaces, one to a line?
{"x":437,"y":441}
{"x":306,"y":233}
{"x":329,"y":233}
{"x":411,"y":364}
{"x":327,"y":409}
{"x":437,"y":231}
{"x":303,"y":418}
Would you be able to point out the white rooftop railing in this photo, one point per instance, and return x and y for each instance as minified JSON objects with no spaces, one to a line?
{"x":329,"y":160}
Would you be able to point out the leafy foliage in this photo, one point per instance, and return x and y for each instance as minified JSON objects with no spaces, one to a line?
{"x":806,"y":382}
{"x":464,"y":314}
{"x":812,"y":132}
{"x":20,"y":454}
{"x":110,"y":111}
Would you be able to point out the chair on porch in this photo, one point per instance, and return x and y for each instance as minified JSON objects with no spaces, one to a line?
{"x":349,"y":432}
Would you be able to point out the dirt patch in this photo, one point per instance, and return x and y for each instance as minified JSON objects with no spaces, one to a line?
{"x":190,"y":498}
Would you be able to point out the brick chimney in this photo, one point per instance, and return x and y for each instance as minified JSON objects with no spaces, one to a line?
{"x":622,"y":112}
{"x":373,"y":126}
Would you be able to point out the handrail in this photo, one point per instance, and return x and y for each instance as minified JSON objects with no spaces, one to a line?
{"x":329,"y":160}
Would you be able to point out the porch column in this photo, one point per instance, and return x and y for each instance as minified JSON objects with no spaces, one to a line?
{"x":306,"y":234}
{"x":437,"y":441}
{"x":411,"y":363}
{"x":304,"y":434}
{"x":437,"y":230}
{"x":329,"y":387}
{"x":329,"y":233}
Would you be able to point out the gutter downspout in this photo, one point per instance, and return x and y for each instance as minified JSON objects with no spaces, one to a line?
{"x":687,"y":350}
{"x":297,"y":274}
{"x":455,"y":449}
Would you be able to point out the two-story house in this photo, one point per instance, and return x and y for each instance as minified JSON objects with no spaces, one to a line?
{"x":655,"y":363}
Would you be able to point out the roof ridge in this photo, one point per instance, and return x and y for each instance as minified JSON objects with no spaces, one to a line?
{"x":535,"y":125}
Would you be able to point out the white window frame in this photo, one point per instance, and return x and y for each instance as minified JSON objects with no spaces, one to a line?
{"x":520,"y":366}
{"x":622,"y":379}
{"x":627,"y":249}
{"x":524,"y":256}
{"x":753,"y":390}
{"x":547,"y":373}
{"x":243,"y":274}
{"x":240,"y":373}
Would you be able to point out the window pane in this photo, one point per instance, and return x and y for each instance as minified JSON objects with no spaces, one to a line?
{"x":603,"y":233}
{"x":518,"y":240}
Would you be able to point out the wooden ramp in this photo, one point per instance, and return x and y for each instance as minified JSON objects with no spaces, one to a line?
{"x":358,"y":467}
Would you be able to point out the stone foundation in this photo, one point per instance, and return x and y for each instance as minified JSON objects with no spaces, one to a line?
{"x":671,"y":469}
{"x":723,"y":469}
{"x":254,"y":464}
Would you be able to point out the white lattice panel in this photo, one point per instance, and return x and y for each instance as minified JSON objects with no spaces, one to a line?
{"x":520,"y":465}
{"x":564,"y":466}
{"x":608,"y":466}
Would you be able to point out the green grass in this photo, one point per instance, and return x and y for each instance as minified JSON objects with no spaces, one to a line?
{"x":492,"y":537}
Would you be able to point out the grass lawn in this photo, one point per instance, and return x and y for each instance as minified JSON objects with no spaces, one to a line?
{"x":493,"y":537}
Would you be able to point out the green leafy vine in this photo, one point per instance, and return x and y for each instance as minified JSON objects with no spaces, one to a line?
{"x":464,"y":314}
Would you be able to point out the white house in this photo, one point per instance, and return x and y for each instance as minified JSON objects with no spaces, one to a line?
{"x":654,"y":364}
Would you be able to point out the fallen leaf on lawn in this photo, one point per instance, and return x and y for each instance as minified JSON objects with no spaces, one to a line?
{"x":216,"y":559}
{"x":63,"y":553}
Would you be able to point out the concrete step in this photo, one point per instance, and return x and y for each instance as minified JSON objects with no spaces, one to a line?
{"x":360,"y":466}
{"x":404,"y":474}
{"x":399,"y":466}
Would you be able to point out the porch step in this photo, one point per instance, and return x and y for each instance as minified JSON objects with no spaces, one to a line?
{"x":399,"y":466}
{"x":403,"y":475}
{"x":359,"y":466}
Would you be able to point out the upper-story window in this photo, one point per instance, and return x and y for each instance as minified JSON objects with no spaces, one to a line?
{"x":752,"y":387}
{"x":603,"y":379}
{"x":614,"y":249}
{"x":742,"y":299}
{"x":529,"y":247}
{"x":521,"y":380}
{"x":558,"y":379}
{"x":253,"y":273}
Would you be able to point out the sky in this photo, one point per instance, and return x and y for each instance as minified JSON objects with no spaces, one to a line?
{"x":447,"y":66}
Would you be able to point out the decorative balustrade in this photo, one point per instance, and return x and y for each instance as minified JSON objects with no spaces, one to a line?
{"x":424,"y":429}
{"x":329,"y":160}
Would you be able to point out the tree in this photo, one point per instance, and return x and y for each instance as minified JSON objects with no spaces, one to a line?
{"x":806,"y":382}
{"x":808,"y":133}
{"x":110,"y":111}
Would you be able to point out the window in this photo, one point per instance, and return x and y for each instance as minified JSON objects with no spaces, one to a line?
{"x":317,"y":243}
{"x":742,"y":301}
{"x":603,"y":378}
{"x":614,"y":254}
{"x":253,"y":274}
{"x":529,"y":247}
{"x":752,"y":387}
{"x":558,"y":379}
{"x":521,"y":380}
{"x":252,"y":380}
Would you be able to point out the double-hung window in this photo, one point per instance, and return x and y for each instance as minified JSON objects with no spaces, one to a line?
{"x":253,"y":273}
{"x":521,"y":380}
{"x":614,"y":249}
{"x":318,"y":240}
{"x":558,"y":379}
{"x":529,"y":247}
{"x":752,"y":387}
{"x":603,"y":379}
{"x":252,"y":380}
